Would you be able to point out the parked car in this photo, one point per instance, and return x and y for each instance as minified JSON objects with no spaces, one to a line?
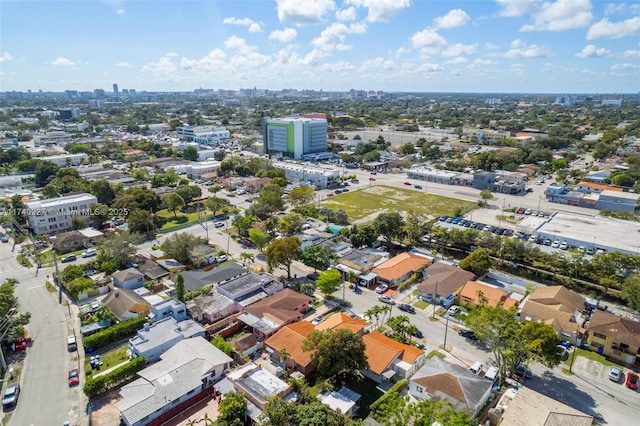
{"x":614,"y":374}
{"x":407,"y":308}
{"x":533,"y":239}
{"x":564,"y":245}
{"x":386,"y":299}
{"x":4,"y":239}
{"x":555,"y":244}
{"x":73,"y":377}
{"x":382,"y":288}
{"x":222,"y":258}
{"x":89,"y":253}
{"x":330,"y":194}
{"x":417,"y":333}
{"x":417,"y":186}
{"x":408,"y":183}
{"x":219,"y":225}
{"x":22,"y":343}
{"x":632,"y":380}
{"x":69,"y":258}
{"x":467,"y":334}
{"x":522,"y":371}
{"x":521,"y":210}
{"x":11,"y":395}
{"x":453,"y":310}
{"x":443,"y":218}
{"x":317,"y":320}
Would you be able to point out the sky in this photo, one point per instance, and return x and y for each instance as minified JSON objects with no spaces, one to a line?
{"x":497,"y":46}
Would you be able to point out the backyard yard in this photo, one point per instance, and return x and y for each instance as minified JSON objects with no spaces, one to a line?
{"x":110,"y":359}
{"x":368,"y":201}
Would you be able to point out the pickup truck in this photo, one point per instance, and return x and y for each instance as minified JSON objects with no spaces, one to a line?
{"x":71,"y":343}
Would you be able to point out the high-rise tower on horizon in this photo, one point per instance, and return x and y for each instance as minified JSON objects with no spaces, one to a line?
{"x":115,"y":88}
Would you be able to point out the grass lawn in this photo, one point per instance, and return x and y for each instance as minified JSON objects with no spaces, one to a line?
{"x":109,"y":359}
{"x":435,"y":353}
{"x":367,"y":389}
{"x":165,"y":218}
{"x":421,"y":304}
{"x":593,"y":356}
{"x":367,"y":201}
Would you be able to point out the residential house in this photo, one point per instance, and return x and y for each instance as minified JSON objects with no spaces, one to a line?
{"x":254,"y":186}
{"x":441,"y":380}
{"x":343,"y":321}
{"x":212,"y":307}
{"x":172,"y":266}
{"x":442,"y":281}
{"x":126,"y":304}
{"x":399,"y":268}
{"x":68,"y":241}
{"x":257,"y":385}
{"x":268,"y":315}
{"x":615,"y":337}
{"x":203,"y":255}
{"x":475,"y":294}
{"x":155,"y":339}
{"x":152,"y":271}
{"x":361,"y":262}
{"x":290,"y":338}
{"x":181,"y":378}
{"x":526,"y":407}
{"x":249,"y":288}
{"x":168,"y":308}
{"x":129,"y":278}
{"x":557,"y":306}
{"x":344,"y":401}
{"x":195,"y":279}
{"x":389,"y":358}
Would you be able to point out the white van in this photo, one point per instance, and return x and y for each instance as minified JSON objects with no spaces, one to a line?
{"x":492,"y":374}
{"x":476,"y":368}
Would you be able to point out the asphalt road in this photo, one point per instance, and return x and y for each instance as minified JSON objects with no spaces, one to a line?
{"x":45,"y":397}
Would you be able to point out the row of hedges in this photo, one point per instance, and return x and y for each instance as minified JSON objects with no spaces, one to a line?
{"x":389,"y":403}
{"x":114,"y":333}
{"x":96,"y":385}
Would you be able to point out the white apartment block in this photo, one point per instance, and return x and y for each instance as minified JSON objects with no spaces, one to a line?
{"x":199,"y":169}
{"x":55,"y":214}
{"x":65,"y":160}
{"x":205,"y":134}
{"x":321,"y":177}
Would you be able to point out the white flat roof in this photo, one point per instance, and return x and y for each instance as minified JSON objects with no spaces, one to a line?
{"x":608,"y":232}
{"x":60,"y":201}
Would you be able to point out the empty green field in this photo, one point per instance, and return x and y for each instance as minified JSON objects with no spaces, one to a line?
{"x":378,"y":198}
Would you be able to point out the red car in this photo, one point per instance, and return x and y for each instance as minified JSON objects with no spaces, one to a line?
{"x":372,"y":178}
{"x":408,"y":183}
{"x":632,"y":380}
{"x":74,"y":377}
{"x":330,"y":194}
{"x":22,"y":343}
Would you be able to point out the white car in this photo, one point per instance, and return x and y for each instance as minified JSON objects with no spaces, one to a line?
{"x":382,"y":288}
{"x":564,"y":245}
{"x":533,"y":239}
{"x":453,"y":310}
{"x":614,"y":374}
{"x":555,"y":244}
{"x":90,"y":253}
{"x":219,"y":224}
{"x":222,"y":258}
{"x":317,"y":320}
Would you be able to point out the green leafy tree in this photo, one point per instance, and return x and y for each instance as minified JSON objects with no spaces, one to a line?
{"x":416,"y":225}
{"x":45,"y":172}
{"x":478,"y":262}
{"x":179,"y":246}
{"x":282,"y":252}
{"x":400,"y":325}
{"x":291,"y":224}
{"x":103,"y":191}
{"x":408,"y":148}
{"x":301,"y":195}
{"x":72,"y":272}
{"x":180,"y":288}
{"x":77,"y":223}
{"x":363,"y":235}
{"x":317,"y":256}
{"x":119,"y":247}
{"x":189,"y":193}
{"x":485,"y":195}
{"x":631,"y":291}
{"x":336,"y":352}
{"x":14,"y":323}
{"x":220,"y":343}
{"x":190,"y":153}
{"x":141,"y":221}
{"x":390,"y":225}
{"x":329,"y":281}
{"x":99,"y":215}
{"x":215,"y":204}
{"x":232,"y":409}
{"x":173,"y":202}
{"x":270,"y":200}
{"x":259,"y":238}
{"x":243,"y":223}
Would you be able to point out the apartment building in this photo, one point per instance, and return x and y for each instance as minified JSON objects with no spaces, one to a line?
{"x":209,"y":135}
{"x":55,"y":214}
{"x":320,"y":177}
{"x":65,"y":160}
{"x":294,"y":137}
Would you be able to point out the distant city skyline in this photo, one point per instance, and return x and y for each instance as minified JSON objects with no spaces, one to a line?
{"x":490,"y":46}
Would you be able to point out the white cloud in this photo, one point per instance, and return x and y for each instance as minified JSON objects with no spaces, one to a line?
{"x":120,"y":12}
{"x":454,"y":18}
{"x":561,"y":16}
{"x":376,"y":64}
{"x":5,"y":57}
{"x":458,"y":60}
{"x":618,"y":67}
{"x":429,"y":68}
{"x":381,"y":10}
{"x":513,"y":8}
{"x":427,"y":38}
{"x":459,"y":49}
{"x":337,"y":66}
{"x":171,"y":54}
{"x":284,"y":36}
{"x":591,"y":51}
{"x":479,"y":63}
{"x":490,"y":46}
{"x":333,"y":37}
{"x":164,"y":65}
{"x":63,"y":62}
{"x":213,"y":61}
{"x":348,"y":14}
{"x":519,"y":49}
{"x":608,"y":29}
{"x":302,"y":12}
{"x":613,"y":8}
{"x":632,"y":54}
{"x":124,"y":65}
{"x":254,"y":27}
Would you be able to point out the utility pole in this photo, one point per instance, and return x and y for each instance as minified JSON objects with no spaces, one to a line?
{"x":446,"y":329}
{"x":435,"y":305}
{"x":58,"y":277}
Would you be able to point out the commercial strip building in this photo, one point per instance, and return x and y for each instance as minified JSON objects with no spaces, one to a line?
{"x":208,"y":135}
{"x":595,"y":232}
{"x":321,"y":177}
{"x":294,"y":137}
{"x":593,"y":195}
{"x":64,"y":160}
{"x":498,"y":181}
{"x":56,"y":214}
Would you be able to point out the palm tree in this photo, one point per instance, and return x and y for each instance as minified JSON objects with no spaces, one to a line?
{"x":284,"y":355}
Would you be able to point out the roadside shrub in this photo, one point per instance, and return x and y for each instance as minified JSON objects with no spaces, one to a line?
{"x":97,"y":385}
{"x":389,"y":403}
{"x":114,"y":333}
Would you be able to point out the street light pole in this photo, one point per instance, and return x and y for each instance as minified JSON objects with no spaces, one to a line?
{"x":575,"y":348}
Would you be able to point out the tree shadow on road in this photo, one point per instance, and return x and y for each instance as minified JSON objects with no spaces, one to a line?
{"x":562,"y":390}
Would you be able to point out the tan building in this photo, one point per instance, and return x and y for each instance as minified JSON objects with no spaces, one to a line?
{"x":475,"y":294}
{"x":615,"y":337}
